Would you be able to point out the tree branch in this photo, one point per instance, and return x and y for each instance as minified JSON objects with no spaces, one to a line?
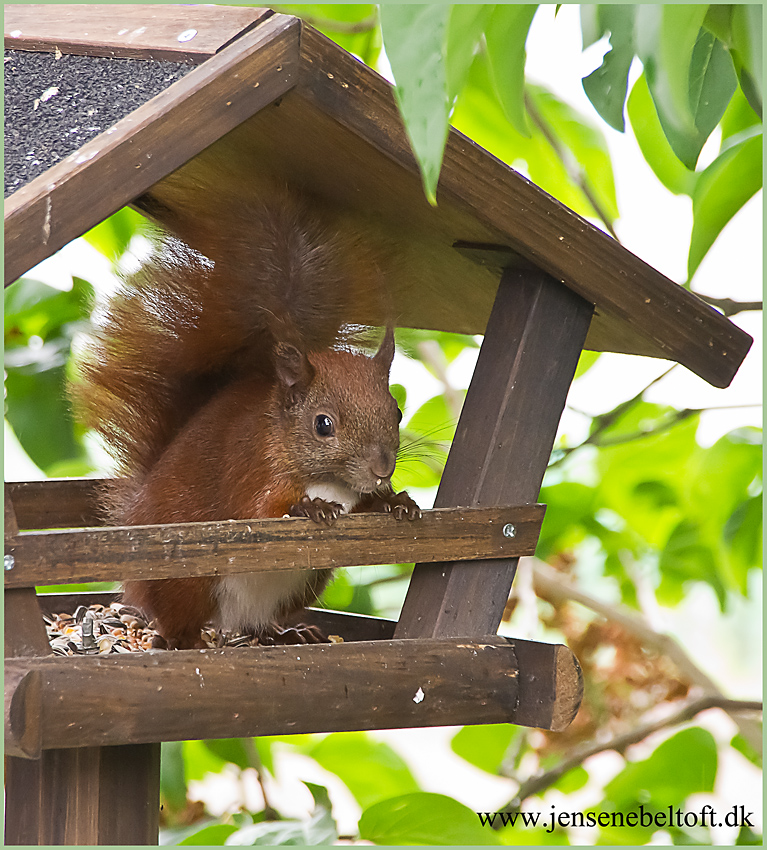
{"x":604,"y":420}
{"x":730,"y":307}
{"x":621,"y":742}
{"x":552,"y":585}
{"x":571,"y":166}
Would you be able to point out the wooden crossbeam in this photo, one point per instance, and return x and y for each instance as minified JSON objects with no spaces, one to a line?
{"x":57,"y":502}
{"x":228,"y":547}
{"x":193,"y":694}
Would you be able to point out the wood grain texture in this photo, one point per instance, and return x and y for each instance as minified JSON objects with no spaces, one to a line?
{"x":23,"y":711}
{"x":127,"y":30}
{"x":638,"y":308}
{"x":100,"y":796}
{"x":502,"y":444}
{"x":24,"y":780}
{"x":73,"y":797}
{"x":56,"y":502}
{"x":228,"y":547}
{"x":152,"y":141}
{"x":23,"y":628}
{"x":550,"y":685}
{"x":262,"y":691}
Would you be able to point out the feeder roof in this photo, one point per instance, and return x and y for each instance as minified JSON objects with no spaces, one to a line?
{"x":269,"y":92}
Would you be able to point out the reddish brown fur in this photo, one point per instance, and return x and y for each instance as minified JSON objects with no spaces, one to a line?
{"x":187,"y":386}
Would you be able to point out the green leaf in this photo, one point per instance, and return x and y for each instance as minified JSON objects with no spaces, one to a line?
{"x":570,"y":506}
{"x":199,"y":760}
{"x":573,"y":780}
{"x":400,"y":394}
{"x":172,"y":778}
{"x":319,"y":829}
{"x":682,"y":765}
{"x":370,"y":769}
{"x":746,"y":45}
{"x":721,"y":190}
{"x":607,"y":86}
{"x":738,"y":116}
{"x":744,"y":538}
{"x":415,"y":38}
{"x":423,"y":818}
{"x":114,"y":234}
{"x":506,"y":35}
{"x":653,"y":143}
{"x":464,"y":33}
{"x":739,"y":743}
{"x":748,"y":837}
{"x":689,"y":73}
{"x":32,"y":308}
{"x":485,"y":746}
{"x":666,"y":39}
{"x":231,"y":750}
{"x":214,"y":835}
{"x":434,"y":419}
{"x":687,"y":556}
{"x":37,"y":409}
{"x":339,"y":593}
{"x":585,"y":362}
{"x":585,"y":142}
{"x":712,"y":82}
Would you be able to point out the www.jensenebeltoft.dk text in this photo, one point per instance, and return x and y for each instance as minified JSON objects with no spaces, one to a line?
{"x":737,"y":816}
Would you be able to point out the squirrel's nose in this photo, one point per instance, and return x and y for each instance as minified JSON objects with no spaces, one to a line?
{"x":381,"y":462}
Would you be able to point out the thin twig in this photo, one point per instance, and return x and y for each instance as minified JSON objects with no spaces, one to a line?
{"x":254,"y":759}
{"x":730,"y":307}
{"x":573,"y":169}
{"x":432,"y":355}
{"x":619,"y":743}
{"x":605,"y":420}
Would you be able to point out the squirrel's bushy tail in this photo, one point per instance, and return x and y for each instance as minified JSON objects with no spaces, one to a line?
{"x":193,"y":318}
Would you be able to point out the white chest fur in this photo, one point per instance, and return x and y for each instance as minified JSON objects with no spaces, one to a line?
{"x":251,"y":600}
{"x":332,"y":492}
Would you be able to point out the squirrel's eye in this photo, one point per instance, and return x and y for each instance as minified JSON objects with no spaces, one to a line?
{"x":399,"y":415}
{"x":323,"y":425}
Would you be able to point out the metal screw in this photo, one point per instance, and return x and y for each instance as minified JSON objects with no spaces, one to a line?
{"x":187,"y":35}
{"x":8,"y":562}
{"x":509,"y":530}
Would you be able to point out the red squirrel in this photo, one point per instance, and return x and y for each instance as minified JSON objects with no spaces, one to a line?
{"x":220,"y":382}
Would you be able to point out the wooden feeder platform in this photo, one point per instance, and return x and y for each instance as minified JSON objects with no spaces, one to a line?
{"x":269,"y":96}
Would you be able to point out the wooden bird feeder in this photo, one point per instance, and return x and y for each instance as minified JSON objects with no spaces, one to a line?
{"x":497,"y":256}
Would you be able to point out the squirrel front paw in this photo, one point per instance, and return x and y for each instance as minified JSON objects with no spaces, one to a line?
{"x":400,"y":505}
{"x":318,"y":510}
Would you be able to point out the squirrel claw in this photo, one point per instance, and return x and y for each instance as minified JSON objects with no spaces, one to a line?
{"x":400,"y":505}
{"x":317,"y":510}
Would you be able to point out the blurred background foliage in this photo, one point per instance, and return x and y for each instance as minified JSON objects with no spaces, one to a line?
{"x":638,"y":507}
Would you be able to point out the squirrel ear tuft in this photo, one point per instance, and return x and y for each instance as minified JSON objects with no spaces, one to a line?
{"x":385,"y":353}
{"x":294,"y":371}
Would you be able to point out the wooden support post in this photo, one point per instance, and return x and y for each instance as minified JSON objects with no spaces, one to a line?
{"x":502,"y":445}
{"x":90,"y":795}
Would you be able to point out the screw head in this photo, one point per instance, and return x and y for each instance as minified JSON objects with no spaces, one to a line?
{"x":8,"y":562}
{"x":509,"y":530}
{"x":187,"y":35}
